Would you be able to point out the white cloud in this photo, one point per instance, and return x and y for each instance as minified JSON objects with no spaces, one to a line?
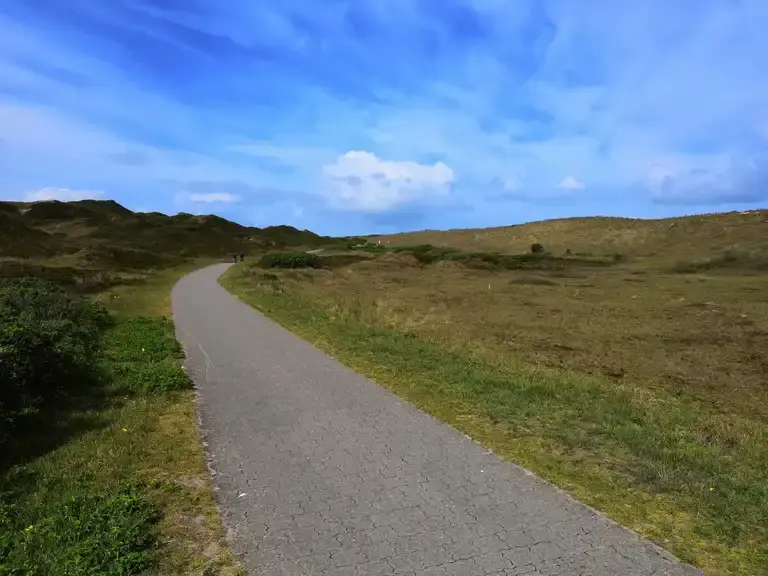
{"x":570,"y":183}
{"x":361,"y":181}
{"x":213,"y":198}
{"x":63,"y":194}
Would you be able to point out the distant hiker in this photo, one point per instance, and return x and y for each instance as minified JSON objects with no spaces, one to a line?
{"x":242,"y":256}
{"x":234,"y":258}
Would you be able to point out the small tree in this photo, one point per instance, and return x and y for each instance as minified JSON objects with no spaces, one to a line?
{"x":537,"y":248}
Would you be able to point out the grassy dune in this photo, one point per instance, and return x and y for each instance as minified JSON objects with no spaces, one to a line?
{"x":638,"y":384}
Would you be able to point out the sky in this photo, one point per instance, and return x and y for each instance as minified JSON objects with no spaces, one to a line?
{"x":369,"y":116}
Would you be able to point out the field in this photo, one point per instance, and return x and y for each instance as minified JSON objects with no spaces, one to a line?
{"x":627,"y":363}
{"x":101,"y":469}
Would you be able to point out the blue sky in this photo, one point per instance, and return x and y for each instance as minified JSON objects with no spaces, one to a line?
{"x":381,"y":115}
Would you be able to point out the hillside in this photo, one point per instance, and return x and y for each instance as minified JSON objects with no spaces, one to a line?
{"x":72,"y":240}
{"x":662,"y":241}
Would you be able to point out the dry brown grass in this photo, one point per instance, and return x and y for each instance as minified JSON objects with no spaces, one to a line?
{"x":664,"y":241}
{"x":699,"y":335}
{"x":639,"y":386}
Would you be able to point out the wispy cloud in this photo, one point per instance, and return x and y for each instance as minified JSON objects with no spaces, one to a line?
{"x":570,"y":183}
{"x":644,"y":108}
{"x":213,"y":198}
{"x":63,"y":195}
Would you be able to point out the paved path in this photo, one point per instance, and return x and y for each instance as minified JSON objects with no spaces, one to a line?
{"x":320,"y":471}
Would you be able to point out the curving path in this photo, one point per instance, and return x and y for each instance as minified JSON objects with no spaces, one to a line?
{"x":318,"y":470}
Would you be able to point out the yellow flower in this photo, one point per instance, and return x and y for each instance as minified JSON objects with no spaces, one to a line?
{"x":142,"y":349}
{"x":125,"y":429}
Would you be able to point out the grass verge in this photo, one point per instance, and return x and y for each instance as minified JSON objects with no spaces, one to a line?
{"x":115,"y":481}
{"x":693,"y":480}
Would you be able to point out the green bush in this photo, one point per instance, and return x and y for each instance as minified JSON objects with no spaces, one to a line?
{"x":417,"y":249}
{"x":84,"y":535}
{"x":537,"y":248}
{"x":730,"y":259}
{"x":48,"y":339}
{"x":289,"y":260}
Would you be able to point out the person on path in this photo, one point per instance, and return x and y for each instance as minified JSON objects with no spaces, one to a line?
{"x":234,"y":258}
{"x":242,"y":256}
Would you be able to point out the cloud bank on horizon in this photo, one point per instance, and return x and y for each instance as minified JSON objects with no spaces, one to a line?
{"x":387,"y":114}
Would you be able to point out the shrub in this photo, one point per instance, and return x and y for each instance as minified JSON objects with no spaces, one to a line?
{"x":417,"y":249}
{"x":730,"y":259}
{"x":537,"y":248}
{"x":290,"y":260}
{"x":48,"y":339}
{"x":86,"y":535}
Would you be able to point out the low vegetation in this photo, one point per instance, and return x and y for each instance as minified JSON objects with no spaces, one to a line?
{"x":289,"y":260}
{"x":658,"y":243}
{"x":86,"y":534}
{"x":538,"y":258}
{"x":92,"y":245}
{"x":47,"y":346}
{"x":101,"y":469}
{"x":638,"y":389}
{"x":729,"y":260}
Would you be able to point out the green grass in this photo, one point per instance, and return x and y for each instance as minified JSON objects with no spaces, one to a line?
{"x":143,"y":358}
{"x":113,"y":481}
{"x":690,"y":478}
{"x":289,"y":260}
{"x":83,"y":535}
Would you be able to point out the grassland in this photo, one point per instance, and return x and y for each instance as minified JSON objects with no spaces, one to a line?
{"x":656,"y":243}
{"x":114,"y":481}
{"x":110,"y":478}
{"x":637,"y":381}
